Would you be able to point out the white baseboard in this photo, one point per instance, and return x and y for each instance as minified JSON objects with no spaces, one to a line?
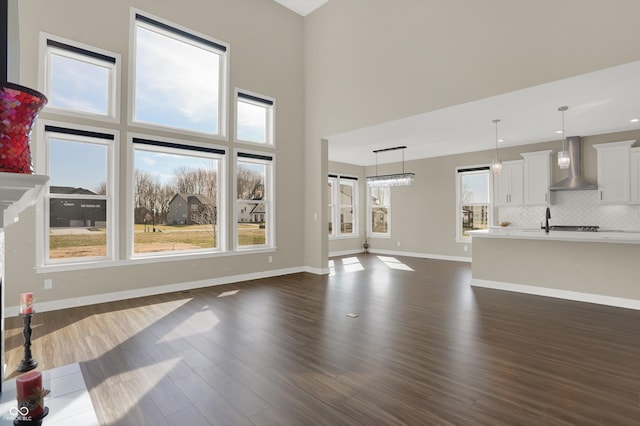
{"x":345,"y":252}
{"x":618,"y":302}
{"x":12,"y":311}
{"x":421,"y":255}
{"x":317,"y":271}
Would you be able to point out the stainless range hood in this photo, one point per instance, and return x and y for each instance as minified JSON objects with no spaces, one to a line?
{"x":574,"y":180}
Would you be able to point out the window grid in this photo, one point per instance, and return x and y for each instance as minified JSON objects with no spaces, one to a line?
{"x":343,"y":199}
{"x":473,"y":210}
{"x":90,"y":75}
{"x":168,"y":90}
{"x":254,"y":209}
{"x":379,"y":222}
{"x":255,"y":117}
{"x":79,"y":217}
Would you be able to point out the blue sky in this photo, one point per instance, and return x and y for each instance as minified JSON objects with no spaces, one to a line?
{"x":78,"y":85}
{"x":178,"y":93}
{"x":89,"y":164}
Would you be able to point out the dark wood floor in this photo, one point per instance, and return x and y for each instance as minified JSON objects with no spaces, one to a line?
{"x":426,"y":349}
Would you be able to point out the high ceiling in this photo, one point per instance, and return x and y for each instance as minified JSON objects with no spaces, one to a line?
{"x":599,"y":102}
{"x":302,"y":7}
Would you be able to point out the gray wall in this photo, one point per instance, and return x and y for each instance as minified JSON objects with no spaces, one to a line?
{"x":266,"y":56}
{"x":423,"y":215}
{"x":350,"y":64}
{"x":372,"y":61}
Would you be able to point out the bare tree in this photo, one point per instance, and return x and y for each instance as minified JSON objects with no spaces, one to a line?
{"x":250,"y":183}
{"x":208,"y":215}
{"x":151,"y":196}
{"x":201,"y":180}
{"x":101,"y":189}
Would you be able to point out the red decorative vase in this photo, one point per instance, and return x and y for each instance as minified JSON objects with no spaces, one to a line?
{"x":19,"y":108}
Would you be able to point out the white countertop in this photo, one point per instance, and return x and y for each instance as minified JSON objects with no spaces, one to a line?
{"x":623,"y":237}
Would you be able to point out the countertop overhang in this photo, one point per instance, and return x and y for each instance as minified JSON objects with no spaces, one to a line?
{"x":621,"y":237}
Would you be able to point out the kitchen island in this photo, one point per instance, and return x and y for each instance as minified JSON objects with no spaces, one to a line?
{"x":596,"y":267}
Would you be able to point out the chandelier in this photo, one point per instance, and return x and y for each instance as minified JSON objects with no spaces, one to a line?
{"x":397,"y":179}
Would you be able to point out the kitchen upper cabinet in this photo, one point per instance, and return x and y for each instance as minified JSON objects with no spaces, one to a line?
{"x":507,"y":185}
{"x":635,"y":175}
{"x":537,"y":177}
{"x":614,"y":172}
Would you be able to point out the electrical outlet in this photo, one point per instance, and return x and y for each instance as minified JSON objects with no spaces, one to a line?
{"x":466,"y":248}
{"x":270,"y":259}
{"x":48,"y":284}
{"x":398,"y":243}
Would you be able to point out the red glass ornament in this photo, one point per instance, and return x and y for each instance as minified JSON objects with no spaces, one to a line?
{"x":19,"y":108}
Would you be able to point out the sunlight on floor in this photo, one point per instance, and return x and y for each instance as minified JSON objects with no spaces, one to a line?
{"x":394,"y":263}
{"x":349,"y":264}
{"x":123,"y":384}
{"x":68,"y":402}
{"x":352,"y":264}
{"x":228,"y":293}
{"x":198,"y":323}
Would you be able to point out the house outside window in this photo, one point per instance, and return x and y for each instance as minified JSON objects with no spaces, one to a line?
{"x":177,"y":198}
{"x":473,"y":201}
{"x":379,"y":206}
{"x":255,"y":225}
{"x":343,"y":206}
{"x":79,"y":208}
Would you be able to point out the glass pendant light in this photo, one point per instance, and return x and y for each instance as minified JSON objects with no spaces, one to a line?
{"x":496,"y":164}
{"x":396,"y":179}
{"x":563,"y":156}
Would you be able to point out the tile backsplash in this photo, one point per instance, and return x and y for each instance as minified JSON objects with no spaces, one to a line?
{"x":574,"y":208}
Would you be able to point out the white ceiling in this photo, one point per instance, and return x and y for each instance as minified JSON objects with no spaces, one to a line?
{"x":599,"y":102}
{"x":302,"y":7}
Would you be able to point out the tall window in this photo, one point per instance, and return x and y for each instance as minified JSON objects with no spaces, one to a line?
{"x":79,"y":78}
{"x":254,"y":201}
{"x":254,"y":118}
{"x":473,"y":208}
{"x":80,"y":198}
{"x":379,"y":211}
{"x":343,"y":206}
{"x":179,"y":78}
{"x":177,"y":199}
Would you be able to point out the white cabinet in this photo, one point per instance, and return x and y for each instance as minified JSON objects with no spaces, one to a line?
{"x":507,"y":185}
{"x":614,"y":172}
{"x":537,"y":177}
{"x":635,"y":175}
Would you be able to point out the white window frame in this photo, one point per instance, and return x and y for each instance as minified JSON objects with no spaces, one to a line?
{"x":180,"y":146}
{"x":483,"y":168}
{"x":269,"y":199}
{"x":76,"y":51}
{"x":337,"y":207}
{"x":43,"y":261}
{"x":223,"y":94}
{"x":370,"y":232}
{"x":263,"y":101}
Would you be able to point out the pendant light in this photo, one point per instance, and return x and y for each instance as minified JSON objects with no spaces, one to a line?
{"x":397,"y":179}
{"x":496,"y":164}
{"x":563,"y":156}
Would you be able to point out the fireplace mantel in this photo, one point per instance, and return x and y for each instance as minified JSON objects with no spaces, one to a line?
{"x":17,"y":192}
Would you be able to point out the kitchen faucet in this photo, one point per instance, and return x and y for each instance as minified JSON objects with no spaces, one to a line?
{"x":546,"y":220}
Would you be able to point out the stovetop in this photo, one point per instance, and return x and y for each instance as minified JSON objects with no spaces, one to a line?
{"x":578,"y":228}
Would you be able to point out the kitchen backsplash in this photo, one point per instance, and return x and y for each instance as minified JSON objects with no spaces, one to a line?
{"x":574,"y":208}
